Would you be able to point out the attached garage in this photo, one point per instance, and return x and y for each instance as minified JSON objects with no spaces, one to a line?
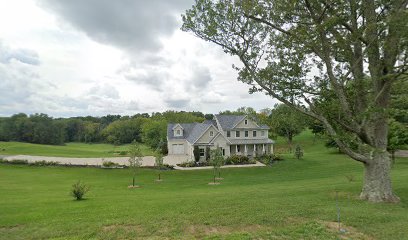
{"x":178,"y":148}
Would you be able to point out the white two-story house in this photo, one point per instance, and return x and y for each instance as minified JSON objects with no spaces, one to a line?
{"x":234,"y":134}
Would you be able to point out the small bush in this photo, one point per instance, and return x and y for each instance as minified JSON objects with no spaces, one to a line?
{"x":166,"y":166}
{"x":109,"y":164}
{"x":187,"y":164}
{"x":239,"y":159}
{"x":18,"y":162}
{"x":298,"y":152}
{"x":268,"y":159}
{"x":44,"y":163}
{"x":79,"y":190}
{"x":123,"y":153}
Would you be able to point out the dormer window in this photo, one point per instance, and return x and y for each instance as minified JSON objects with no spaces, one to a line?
{"x":178,"y":131}
{"x":246,"y":122}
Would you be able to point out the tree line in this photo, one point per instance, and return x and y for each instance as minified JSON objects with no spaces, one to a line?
{"x":151,"y":129}
{"x":115,"y":129}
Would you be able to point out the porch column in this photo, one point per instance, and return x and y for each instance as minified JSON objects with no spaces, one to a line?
{"x":263,"y":148}
{"x":236,"y":149}
{"x":245,"y":150}
{"x":254,"y":150}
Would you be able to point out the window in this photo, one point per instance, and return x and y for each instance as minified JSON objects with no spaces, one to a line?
{"x":237,"y":134}
{"x":223,"y":152}
{"x":246,"y":133}
{"x":263,"y":133}
{"x":238,"y":148}
{"x":246,"y":122}
{"x":202,"y":152}
{"x":211,"y":133}
{"x":178,"y":132}
{"x":254,"y":133}
{"x":228,"y":134}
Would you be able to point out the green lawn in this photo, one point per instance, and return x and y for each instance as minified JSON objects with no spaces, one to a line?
{"x":67,"y":150}
{"x":289,"y":200}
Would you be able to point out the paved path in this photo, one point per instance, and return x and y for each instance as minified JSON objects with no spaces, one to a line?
{"x":147,"y":161}
{"x":401,"y":153}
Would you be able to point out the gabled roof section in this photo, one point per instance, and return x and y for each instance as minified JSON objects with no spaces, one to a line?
{"x":198,"y":131}
{"x":228,"y":122}
{"x":192,"y":131}
{"x":176,"y":125}
{"x":219,"y":135}
{"x":186,"y":130}
{"x":245,"y":117}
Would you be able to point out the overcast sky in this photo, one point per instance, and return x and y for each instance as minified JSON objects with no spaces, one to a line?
{"x":97,"y":57}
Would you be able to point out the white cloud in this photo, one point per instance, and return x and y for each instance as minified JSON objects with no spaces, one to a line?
{"x":69,"y":58}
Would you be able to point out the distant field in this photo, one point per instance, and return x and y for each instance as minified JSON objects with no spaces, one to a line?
{"x":68,"y":150}
{"x":293,"y":199}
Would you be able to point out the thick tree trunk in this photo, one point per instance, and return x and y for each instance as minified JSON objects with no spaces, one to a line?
{"x":377,"y":180}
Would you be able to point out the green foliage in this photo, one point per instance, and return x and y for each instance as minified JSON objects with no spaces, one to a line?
{"x":154,"y":133}
{"x":287,"y":122}
{"x":135,"y":159}
{"x":109,"y":164}
{"x":298,"y":152}
{"x":124,"y":131}
{"x":238,"y":160}
{"x":79,"y":190}
{"x":207,"y":153}
{"x":188,"y":164}
{"x":217,"y":160}
{"x":397,"y":136}
{"x":196,"y":152}
{"x":158,"y":160}
{"x":269,"y":159}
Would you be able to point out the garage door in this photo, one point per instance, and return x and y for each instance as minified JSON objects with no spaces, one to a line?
{"x":178,"y":149}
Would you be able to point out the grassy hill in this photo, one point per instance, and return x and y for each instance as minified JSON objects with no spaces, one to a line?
{"x":293,"y":199}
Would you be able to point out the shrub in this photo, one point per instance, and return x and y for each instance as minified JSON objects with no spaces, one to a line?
{"x":18,"y":162}
{"x":44,"y":163}
{"x":298,"y":152}
{"x":109,"y":164}
{"x":166,"y":166}
{"x":79,"y":190}
{"x":187,"y":164}
{"x":268,"y":159}
{"x":238,"y":159}
{"x":123,"y":153}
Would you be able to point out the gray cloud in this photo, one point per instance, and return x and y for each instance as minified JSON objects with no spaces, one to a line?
{"x":177,"y":103}
{"x":155,"y":80}
{"x":201,"y":77}
{"x":103,"y":91}
{"x":134,"y":25}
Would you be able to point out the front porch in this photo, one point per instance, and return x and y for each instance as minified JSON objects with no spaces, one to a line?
{"x":251,"y":150}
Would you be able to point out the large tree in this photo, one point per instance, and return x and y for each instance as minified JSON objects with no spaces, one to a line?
{"x":287,"y":122}
{"x":307,"y":52}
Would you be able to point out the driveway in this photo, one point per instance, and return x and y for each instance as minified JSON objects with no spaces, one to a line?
{"x":147,"y":161}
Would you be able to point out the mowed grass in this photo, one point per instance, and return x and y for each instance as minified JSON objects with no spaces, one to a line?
{"x":289,"y":200}
{"x":67,"y":150}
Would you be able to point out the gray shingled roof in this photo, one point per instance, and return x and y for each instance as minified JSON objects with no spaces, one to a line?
{"x":191,"y":132}
{"x":229,"y":121}
{"x":213,"y":122}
